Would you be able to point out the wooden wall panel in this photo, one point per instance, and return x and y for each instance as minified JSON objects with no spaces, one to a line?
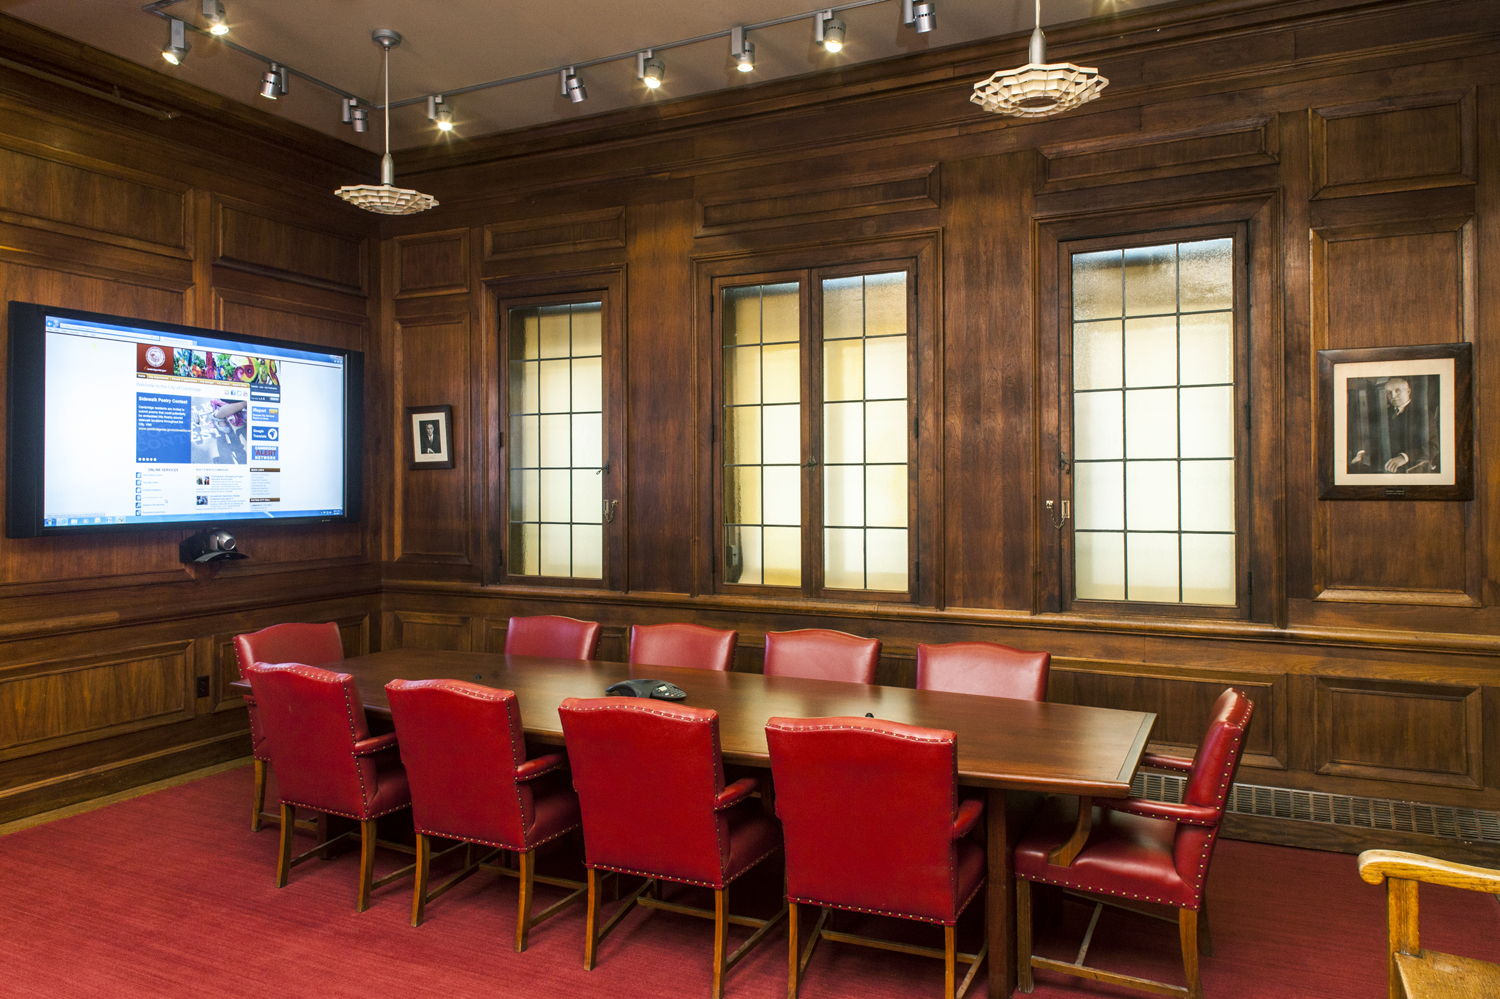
{"x":432,"y":264}
{"x":433,"y":514}
{"x":260,"y":242}
{"x":831,"y":198}
{"x":438,"y":632}
{"x":1414,"y":733}
{"x":1118,"y":160}
{"x":1401,"y":144}
{"x":596,"y":229}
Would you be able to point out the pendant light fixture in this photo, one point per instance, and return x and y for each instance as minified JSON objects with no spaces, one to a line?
{"x":387,"y":199}
{"x":1039,"y":88}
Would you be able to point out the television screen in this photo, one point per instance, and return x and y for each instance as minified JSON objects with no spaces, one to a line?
{"x":118,"y":423}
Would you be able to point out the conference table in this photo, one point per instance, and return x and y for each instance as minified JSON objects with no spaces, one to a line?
{"x":1003,"y":744}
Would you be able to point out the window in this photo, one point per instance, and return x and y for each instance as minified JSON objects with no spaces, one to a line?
{"x":1154,"y":429}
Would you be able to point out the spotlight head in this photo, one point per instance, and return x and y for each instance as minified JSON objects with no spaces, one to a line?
{"x":572,"y":87}
{"x":270,"y":83}
{"x":745,"y":60}
{"x":924,"y":17}
{"x":653,"y":71}
{"x":177,"y":47}
{"x":360,"y":119}
{"x":833,"y":35}
{"x":213,"y":13}
{"x":445,"y":119}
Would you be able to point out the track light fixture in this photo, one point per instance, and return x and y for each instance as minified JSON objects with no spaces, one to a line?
{"x":649,"y":69}
{"x":1039,"y":88}
{"x":743,"y":50}
{"x":922,"y":16}
{"x":439,"y":113}
{"x":273,"y":82}
{"x":828,"y":31}
{"x":177,"y":47}
{"x":355,"y":116}
{"x":213,"y":13}
{"x":386,"y":198}
{"x":572,"y":87}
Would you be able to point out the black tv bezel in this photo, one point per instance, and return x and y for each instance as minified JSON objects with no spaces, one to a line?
{"x":26,"y":424}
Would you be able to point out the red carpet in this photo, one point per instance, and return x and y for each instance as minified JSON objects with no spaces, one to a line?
{"x":171,"y":895}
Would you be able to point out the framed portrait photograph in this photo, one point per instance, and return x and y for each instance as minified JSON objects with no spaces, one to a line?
{"x":1396,"y":423}
{"x":430,"y":443}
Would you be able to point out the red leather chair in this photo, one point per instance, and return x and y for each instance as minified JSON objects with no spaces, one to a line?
{"x":326,"y":760}
{"x":983,"y":668}
{"x":1145,"y":851}
{"x":650,"y":782}
{"x":690,"y":645}
{"x":309,"y":644}
{"x":553,"y":637}
{"x":818,"y":654}
{"x":873,"y":823}
{"x":465,"y":757}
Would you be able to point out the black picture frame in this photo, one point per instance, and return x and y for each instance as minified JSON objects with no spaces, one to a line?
{"x":429,"y":437}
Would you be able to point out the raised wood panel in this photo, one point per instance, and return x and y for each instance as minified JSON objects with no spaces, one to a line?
{"x":432,"y":264}
{"x":1408,"y":732}
{"x":433,"y":516}
{"x":49,"y":705}
{"x":439,"y":632}
{"x":355,"y":632}
{"x":1396,"y":144}
{"x":909,"y":189}
{"x":251,"y":241}
{"x":599,"y":229}
{"x":1120,"y":160}
{"x":111,"y":205}
{"x":282,"y":319}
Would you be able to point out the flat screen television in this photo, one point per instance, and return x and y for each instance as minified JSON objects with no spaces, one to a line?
{"x":123,"y":424}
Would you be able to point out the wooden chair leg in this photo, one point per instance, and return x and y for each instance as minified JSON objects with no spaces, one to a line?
{"x":721,"y":939}
{"x":419,"y":895}
{"x":366,"y":863}
{"x":950,"y":952}
{"x":527,"y":863}
{"x":284,"y":857}
{"x":793,"y":937}
{"x":260,"y":795}
{"x":1023,"y":936}
{"x":1187,"y":929}
{"x":1205,"y":938}
{"x":591,"y":923}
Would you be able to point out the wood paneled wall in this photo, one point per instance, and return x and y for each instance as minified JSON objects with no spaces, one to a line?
{"x":216,"y":218}
{"x":1358,"y":147}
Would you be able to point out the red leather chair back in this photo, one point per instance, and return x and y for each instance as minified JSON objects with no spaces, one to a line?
{"x":1214,"y":766}
{"x":867,"y":809}
{"x":983,"y":668}
{"x":553,"y":637}
{"x":461,"y":744}
{"x":817,"y":654}
{"x":310,"y":644}
{"x":312,"y":719}
{"x":690,"y":645}
{"x":647,"y":773}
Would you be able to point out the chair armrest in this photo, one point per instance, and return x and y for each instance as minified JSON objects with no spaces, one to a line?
{"x":541,"y":765}
{"x":374,"y":744}
{"x":969,"y":811}
{"x":1156,"y":761}
{"x":1192,"y":815}
{"x":735,"y":793}
{"x":1377,"y":865}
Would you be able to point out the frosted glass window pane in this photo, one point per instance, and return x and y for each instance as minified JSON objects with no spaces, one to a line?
{"x":782,"y":441}
{"x":1151,"y":280}
{"x":1207,"y":279}
{"x":843,"y":308}
{"x":1099,"y":495}
{"x":1208,"y":422}
{"x":1096,"y":355}
{"x":1152,"y":564}
{"x":844,"y":496}
{"x":557,"y":554}
{"x":885,"y":495}
{"x":885,"y":368}
{"x":555,"y":394}
{"x":783,"y":494}
{"x":885,"y":304}
{"x":742,"y":435}
{"x":1151,"y":495}
{"x":781,"y":373}
{"x":781,"y":314}
{"x":886,"y":429}
{"x":588,"y":385}
{"x":1150,"y":423}
{"x":1099,"y":561}
{"x":587,"y":330}
{"x":1098,"y":427}
{"x":556,"y":441}
{"x":1208,"y":348}
{"x":531,"y":550}
{"x":783,"y":556}
{"x":588,"y":497}
{"x":557,"y":494}
{"x":844,"y":559}
{"x":843,"y":432}
{"x":1151,"y":351}
{"x":747,"y":541}
{"x":1208,"y":569}
{"x":530,"y":335}
{"x":588,"y":444}
{"x":843,"y":370}
{"x":1096,"y":285}
{"x":742,"y":495}
{"x":741,"y":315}
{"x":525,"y":382}
{"x":526,"y":441}
{"x":1208,"y":495}
{"x":741,"y":375}
{"x":554,"y":331}
{"x":526,"y":495}
{"x":588,"y":552}
{"x":885,"y":560}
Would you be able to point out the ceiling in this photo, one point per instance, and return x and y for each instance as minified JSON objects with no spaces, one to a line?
{"x":459,"y":43}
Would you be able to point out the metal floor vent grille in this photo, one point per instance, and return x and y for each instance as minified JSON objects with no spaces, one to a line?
{"x":1470,"y":824}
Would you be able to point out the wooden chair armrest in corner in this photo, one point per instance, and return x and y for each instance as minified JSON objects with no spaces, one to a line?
{"x":1066,"y":853}
{"x":1377,"y":865}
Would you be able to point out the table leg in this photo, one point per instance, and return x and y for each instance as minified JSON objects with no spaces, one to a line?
{"x":999,"y":898}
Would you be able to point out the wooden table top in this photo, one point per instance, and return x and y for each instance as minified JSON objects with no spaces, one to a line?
{"x":1001,"y":742}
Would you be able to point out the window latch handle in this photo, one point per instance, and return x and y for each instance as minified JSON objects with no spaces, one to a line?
{"x":810,"y":463}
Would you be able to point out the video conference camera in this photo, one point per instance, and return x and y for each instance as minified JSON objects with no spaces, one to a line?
{"x":212,"y":545}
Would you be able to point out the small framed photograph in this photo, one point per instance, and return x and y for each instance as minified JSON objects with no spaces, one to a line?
{"x":1396,"y":423}
{"x":431,"y":442}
